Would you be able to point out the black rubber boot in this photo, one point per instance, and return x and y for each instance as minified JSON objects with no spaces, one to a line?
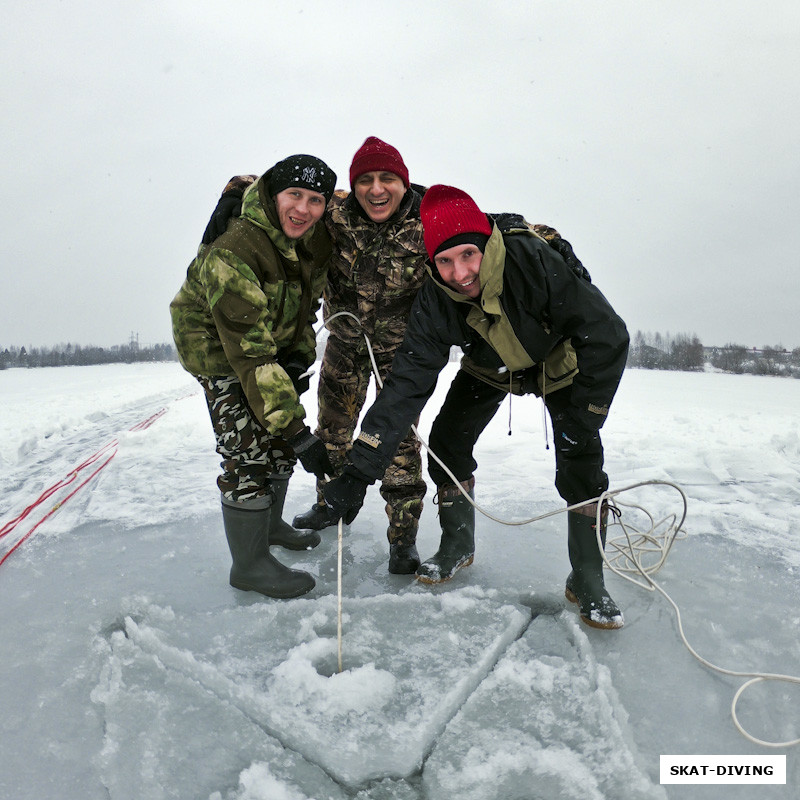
{"x":254,"y":568}
{"x":403,"y":558}
{"x":316,"y":519}
{"x":585,"y":585}
{"x":457,"y":546}
{"x":281,"y":533}
{"x":404,"y":513}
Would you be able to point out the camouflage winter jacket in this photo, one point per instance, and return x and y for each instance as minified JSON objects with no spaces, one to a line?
{"x":247,"y":307}
{"x":376,"y":271}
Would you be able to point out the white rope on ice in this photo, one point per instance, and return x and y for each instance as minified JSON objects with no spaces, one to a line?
{"x":339,"y":595}
{"x":628,"y":552}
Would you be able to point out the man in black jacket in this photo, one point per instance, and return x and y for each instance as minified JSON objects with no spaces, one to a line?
{"x":528,"y":322}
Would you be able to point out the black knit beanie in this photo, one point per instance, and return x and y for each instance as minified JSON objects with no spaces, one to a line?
{"x":307,"y":172}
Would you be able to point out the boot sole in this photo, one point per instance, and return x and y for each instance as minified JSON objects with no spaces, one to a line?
{"x":611,"y":625}
{"x":296,"y":546}
{"x":403,"y":569}
{"x":431,"y":582}
{"x":244,"y":587}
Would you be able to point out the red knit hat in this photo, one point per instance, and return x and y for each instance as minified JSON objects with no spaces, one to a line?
{"x":377,"y":156}
{"x":448,"y":212}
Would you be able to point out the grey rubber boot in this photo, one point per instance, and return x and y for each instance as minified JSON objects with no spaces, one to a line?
{"x":316,"y":519}
{"x":585,"y":584}
{"x":254,"y":568}
{"x":281,"y":533}
{"x":457,"y":546}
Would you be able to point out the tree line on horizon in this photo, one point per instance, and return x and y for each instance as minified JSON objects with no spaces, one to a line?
{"x":64,"y":355}
{"x":685,"y":352}
{"x":681,"y":352}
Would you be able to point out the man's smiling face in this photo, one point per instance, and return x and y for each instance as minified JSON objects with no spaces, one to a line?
{"x":299,"y":209}
{"x":459,"y":267}
{"x":379,"y":194}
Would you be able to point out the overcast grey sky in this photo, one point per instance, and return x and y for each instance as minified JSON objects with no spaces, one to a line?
{"x":661,"y":138}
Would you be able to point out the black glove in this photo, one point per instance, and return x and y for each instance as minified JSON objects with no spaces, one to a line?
{"x":229,"y":205}
{"x":570,"y":437}
{"x":299,"y":375}
{"x":345,"y":495}
{"x":311,"y":452}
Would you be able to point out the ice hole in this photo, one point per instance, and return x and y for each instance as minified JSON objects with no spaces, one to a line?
{"x":328,"y":666}
{"x":546,"y":604}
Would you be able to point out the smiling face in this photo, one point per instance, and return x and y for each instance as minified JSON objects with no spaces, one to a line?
{"x":379,"y":194}
{"x":298,"y":209}
{"x":459,"y":267}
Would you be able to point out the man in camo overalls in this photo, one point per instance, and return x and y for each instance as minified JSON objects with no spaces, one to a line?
{"x":377,"y":268}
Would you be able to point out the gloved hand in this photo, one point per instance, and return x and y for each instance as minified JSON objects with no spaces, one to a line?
{"x":570,"y":437}
{"x":345,"y":495}
{"x":311,"y":452}
{"x":299,"y":375}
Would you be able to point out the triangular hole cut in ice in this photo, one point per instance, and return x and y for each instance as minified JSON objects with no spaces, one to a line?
{"x":410,"y":662}
{"x":546,"y":723}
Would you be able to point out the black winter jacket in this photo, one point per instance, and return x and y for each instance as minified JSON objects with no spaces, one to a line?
{"x":526,"y":282}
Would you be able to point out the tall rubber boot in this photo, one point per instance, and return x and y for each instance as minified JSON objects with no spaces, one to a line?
{"x":254,"y":568}
{"x":403,"y":557}
{"x":457,"y":546}
{"x":404,"y":517}
{"x":585,"y":585}
{"x":281,"y":533}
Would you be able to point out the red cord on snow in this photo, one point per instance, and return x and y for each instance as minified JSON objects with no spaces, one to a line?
{"x":108,"y":451}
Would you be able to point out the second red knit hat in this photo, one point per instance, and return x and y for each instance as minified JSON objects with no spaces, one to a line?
{"x":447,"y":212}
{"x":377,"y":156}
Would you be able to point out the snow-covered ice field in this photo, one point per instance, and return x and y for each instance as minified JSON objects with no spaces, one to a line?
{"x":130,"y":669}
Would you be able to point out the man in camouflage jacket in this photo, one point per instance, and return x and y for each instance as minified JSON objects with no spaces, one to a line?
{"x":378,"y":265}
{"x":242,"y":324}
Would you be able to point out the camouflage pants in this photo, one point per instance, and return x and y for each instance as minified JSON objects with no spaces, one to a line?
{"x":251,"y":456}
{"x":343,"y":383}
